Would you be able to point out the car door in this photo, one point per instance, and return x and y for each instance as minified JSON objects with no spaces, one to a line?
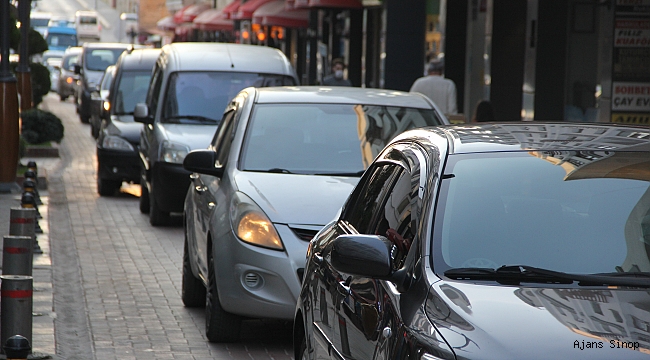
{"x":147,"y":137}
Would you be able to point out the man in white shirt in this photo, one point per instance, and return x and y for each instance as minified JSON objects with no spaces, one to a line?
{"x":434,"y":86}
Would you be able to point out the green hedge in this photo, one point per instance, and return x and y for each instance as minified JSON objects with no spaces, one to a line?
{"x":40,"y":77}
{"x":40,"y":126}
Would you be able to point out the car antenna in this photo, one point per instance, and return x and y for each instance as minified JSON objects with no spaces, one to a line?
{"x":232,"y":65}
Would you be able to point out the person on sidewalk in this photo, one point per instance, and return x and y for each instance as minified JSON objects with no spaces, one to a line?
{"x":434,"y":86}
{"x":336,"y":78}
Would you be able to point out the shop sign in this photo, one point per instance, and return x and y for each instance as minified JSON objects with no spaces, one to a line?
{"x":632,"y":6}
{"x":630,"y":96}
{"x":632,"y":33}
{"x":631,"y":118}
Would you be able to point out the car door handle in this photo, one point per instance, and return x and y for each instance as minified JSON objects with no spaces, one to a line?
{"x":194,"y":176}
{"x":343,"y":288}
{"x":200,"y":188}
{"x":211,"y":205}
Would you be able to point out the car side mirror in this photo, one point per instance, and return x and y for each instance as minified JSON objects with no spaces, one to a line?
{"x":77,"y":69}
{"x":141,"y":114}
{"x":363,"y":255}
{"x":203,"y":162}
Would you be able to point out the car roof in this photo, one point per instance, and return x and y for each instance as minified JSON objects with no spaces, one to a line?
{"x":225,"y":57}
{"x":535,"y":136}
{"x":40,"y":15}
{"x":139,"y":59}
{"x":341,"y":95}
{"x":104,"y":45}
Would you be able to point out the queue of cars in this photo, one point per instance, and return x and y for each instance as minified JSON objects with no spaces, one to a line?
{"x":379,"y":229}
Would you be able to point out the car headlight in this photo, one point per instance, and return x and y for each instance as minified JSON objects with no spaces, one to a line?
{"x":173,"y":152}
{"x":251,"y":225}
{"x":107,"y":105}
{"x":116,"y":143}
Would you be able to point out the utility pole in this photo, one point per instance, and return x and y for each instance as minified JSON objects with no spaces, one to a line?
{"x":22,"y":70}
{"x":9,"y":131}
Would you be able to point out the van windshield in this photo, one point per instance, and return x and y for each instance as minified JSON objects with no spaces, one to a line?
{"x":100,"y":59}
{"x":131,"y":89}
{"x":54,"y":39}
{"x":88,"y":20}
{"x":201,"y":97}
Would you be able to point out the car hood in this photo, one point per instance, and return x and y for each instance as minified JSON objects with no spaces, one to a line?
{"x":124,"y":126}
{"x":510,"y":322}
{"x":193,"y":136}
{"x":296,"y":199}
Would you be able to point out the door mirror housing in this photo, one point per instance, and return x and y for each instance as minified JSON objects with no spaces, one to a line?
{"x":363,"y":255}
{"x":203,"y":162}
{"x":141,"y":114}
{"x":77,"y":69}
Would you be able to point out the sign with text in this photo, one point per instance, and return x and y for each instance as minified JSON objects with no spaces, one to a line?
{"x":631,"y":118}
{"x":630,"y":96}
{"x":632,"y":33}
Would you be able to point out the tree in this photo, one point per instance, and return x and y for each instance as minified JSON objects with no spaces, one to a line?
{"x":36,"y":42}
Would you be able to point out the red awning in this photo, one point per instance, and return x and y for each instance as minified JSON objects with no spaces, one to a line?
{"x":213,"y":20}
{"x":231,"y":9}
{"x":166,"y":23}
{"x":178,"y":15}
{"x":247,"y":9}
{"x":336,"y":4}
{"x":274,"y":13}
{"x":193,"y":11}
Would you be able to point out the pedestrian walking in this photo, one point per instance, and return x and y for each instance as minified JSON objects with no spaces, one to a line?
{"x":337,"y":77}
{"x":440,"y":90}
{"x":483,"y":112}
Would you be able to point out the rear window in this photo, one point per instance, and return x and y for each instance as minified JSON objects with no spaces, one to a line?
{"x":40,"y":22}
{"x":100,"y":59}
{"x":54,"y":39}
{"x":201,"y":97}
{"x":88,"y":20}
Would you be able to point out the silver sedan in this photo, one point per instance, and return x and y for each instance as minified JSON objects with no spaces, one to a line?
{"x":279,"y":167}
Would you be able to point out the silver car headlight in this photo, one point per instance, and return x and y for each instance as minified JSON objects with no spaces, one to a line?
{"x":173,"y":152}
{"x":116,"y":143}
{"x":251,"y":225}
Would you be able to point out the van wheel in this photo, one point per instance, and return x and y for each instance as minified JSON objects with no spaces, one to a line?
{"x":157,"y":217}
{"x":144,"y":194}
{"x":220,"y":326}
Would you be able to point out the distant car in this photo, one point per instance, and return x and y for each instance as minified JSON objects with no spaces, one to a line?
{"x":60,"y":38}
{"x":193,"y":84}
{"x":117,"y":145}
{"x":520,"y":240}
{"x":54,"y":66}
{"x":99,"y":98}
{"x":39,"y":21}
{"x":93,"y":60}
{"x":68,"y":80}
{"x":61,"y":21}
{"x":87,"y":25}
{"x":279,"y":167}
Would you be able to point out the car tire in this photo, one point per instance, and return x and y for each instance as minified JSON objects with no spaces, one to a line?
{"x":193,"y":291}
{"x":302,"y":351}
{"x":94,"y":131}
{"x":220,"y":326}
{"x":144,"y":194}
{"x":157,"y":217}
{"x":106,"y":187}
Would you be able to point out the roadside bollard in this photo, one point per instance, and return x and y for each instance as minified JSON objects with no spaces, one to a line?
{"x":31,"y":175}
{"x":31,"y":165}
{"x":27,"y":201}
{"x":29,"y":187}
{"x":16,"y":307}
{"x":21,"y":223}
{"x":17,"y":347}
{"x":17,"y":255}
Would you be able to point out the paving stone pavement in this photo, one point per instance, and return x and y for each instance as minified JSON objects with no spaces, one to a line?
{"x":115,"y":280}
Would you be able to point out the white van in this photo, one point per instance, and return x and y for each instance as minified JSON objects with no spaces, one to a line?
{"x":191,"y":85}
{"x":87,"y":25}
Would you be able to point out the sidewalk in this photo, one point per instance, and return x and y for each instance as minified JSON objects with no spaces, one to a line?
{"x":43,"y":344}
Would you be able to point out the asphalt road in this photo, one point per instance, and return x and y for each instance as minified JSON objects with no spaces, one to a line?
{"x":117,"y":279}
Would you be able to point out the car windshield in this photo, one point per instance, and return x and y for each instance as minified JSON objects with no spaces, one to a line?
{"x":39,"y":22}
{"x":54,"y":39}
{"x":324,"y":139}
{"x":69,"y":61}
{"x":569,"y":211}
{"x":100,"y":59}
{"x":131,"y":89}
{"x":201,"y":97}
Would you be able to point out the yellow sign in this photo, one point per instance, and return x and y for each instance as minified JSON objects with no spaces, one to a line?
{"x":631,"y":118}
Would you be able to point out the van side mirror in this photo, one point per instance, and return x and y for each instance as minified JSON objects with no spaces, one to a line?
{"x":203,"y":162}
{"x":141,"y":114}
{"x":77,"y":69}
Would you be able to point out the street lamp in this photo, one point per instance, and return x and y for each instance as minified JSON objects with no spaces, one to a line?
{"x":9,"y":131}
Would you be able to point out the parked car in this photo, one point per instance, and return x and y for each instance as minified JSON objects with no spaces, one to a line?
{"x":117,"y":155}
{"x":191,"y":85}
{"x":99,"y":98}
{"x":87,"y":25}
{"x":60,"y":38}
{"x":491,"y":241}
{"x":68,"y":80}
{"x":93,"y":61}
{"x":281,"y":164}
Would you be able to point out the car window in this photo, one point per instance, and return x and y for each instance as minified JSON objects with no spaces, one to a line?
{"x":69,"y":61}
{"x":130,"y":90}
{"x":197,"y":97}
{"x":224,"y":136}
{"x":154,"y":90}
{"x":88,"y":20}
{"x":540,"y":209}
{"x":107,"y":79}
{"x":363,"y":211}
{"x":325,"y":139}
{"x":100,"y":59}
{"x":54,"y":39}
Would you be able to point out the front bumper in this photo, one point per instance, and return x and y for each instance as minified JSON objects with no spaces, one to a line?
{"x":258,"y":282}
{"x":169,"y":183}
{"x":118,"y":165}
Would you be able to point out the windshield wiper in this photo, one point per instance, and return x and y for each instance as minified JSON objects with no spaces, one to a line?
{"x":191,"y":117}
{"x":515,"y":274}
{"x":355,"y":174}
{"x":279,"y":170}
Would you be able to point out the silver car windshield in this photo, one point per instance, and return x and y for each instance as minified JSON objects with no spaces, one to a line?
{"x":569,"y":211}
{"x":324,"y":139}
{"x":200,"y":97}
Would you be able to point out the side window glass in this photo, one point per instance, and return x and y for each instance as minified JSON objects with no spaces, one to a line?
{"x":154,"y":90}
{"x":366,"y":205}
{"x":223,"y":137}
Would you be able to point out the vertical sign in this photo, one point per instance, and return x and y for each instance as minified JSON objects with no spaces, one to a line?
{"x":631,"y":62}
